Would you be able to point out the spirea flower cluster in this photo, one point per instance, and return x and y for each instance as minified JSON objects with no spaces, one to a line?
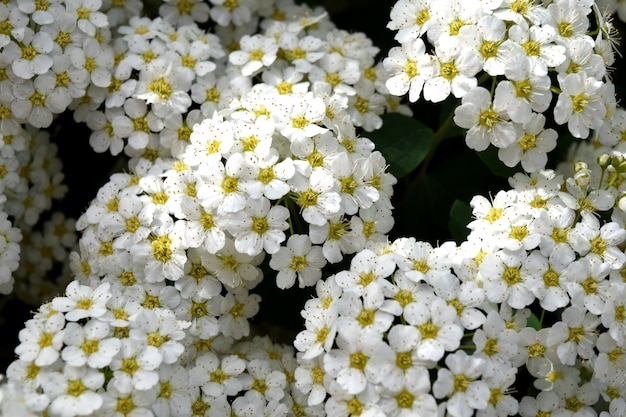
{"x":534,"y":297}
{"x":511,"y":64}
{"x":141,"y":83}
{"x":242,"y":130}
{"x":231,"y":157}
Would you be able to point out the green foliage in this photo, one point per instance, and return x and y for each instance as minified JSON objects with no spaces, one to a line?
{"x":460,"y":216}
{"x":403,"y":141}
{"x":491,"y":161}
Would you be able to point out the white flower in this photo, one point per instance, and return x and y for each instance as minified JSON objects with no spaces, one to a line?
{"x":173,"y":391}
{"x":586,"y":284}
{"x":298,"y":259}
{"x":367,"y":272}
{"x":464,"y":296}
{"x":301,"y":117}
{"x":438,"y":330}
{"x":584,"y":395}
{"x":366,"y":106}
{"x":96,"y":60}
{"x":523,"y":91}
{"x":531,"y":146}
{"x":129,"y":222}
{"x":487,"y":123}
{"x":412,"y":398}
{"x":363,"y":311}
{"x":225,"y":13}
{"x":546,"y":402}
{"x":89,"y":16}
{"x":310,"y":379}
{"x":544,"y":277}
{"x":271,"y":174}
{"x":74,"y":390}
{"x":159,"y":328}
{"x":319,"y":333}
{"x":488,"y":37}
{"x":236,"y":308}
{"x":408,"y":67}
{"x":35,"y":103}
{"x":411,"y":19}
{"x":537,"y":43}
{"x":223,"y":185}
{"x":259,"y":227}
{"x":454,"y":73}
{"x":358,"y":360}
{"x":82,"y":301}
{"x":181,"y":13}
{"x":41,"y":340}
{"x":338,"y":236}
{"x":575,"y":335}
{"x":217,"y":376}
{"x":496,"y":344}
{"x":31,"y":55}
{"x":503,"y":280}
{"x":580,"y":104}
{"x":459,"y":382}
{"x":340,"y":72}
{"x":164,"y":86}
{"x":89,"y":344}
{"x":570,"y":19}
{"x":612,"y":317}
{"x":301,"y":51}
{"x":501,"y":403}
{"x":202,"y":228}
{"x":212,"y":136}
{"x":232,"y":267}
{"x":257,"y":51}
{"x":202,"y":314}
{"x":133,"y":402}
{"x":162,"y":256}
{"x":599,"y":242}
{"x":318,"y":198}
{"x":135,"y":367}
{"x":269,"y":383}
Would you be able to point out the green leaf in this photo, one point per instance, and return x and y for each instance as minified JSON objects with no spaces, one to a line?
{"x":403,"y":141}
{"x":495,"y":165}
{"x":533,"y":322}
{"x":460,"y":216}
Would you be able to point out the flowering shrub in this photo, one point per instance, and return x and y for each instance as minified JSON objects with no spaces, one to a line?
{"x":258,"y":149}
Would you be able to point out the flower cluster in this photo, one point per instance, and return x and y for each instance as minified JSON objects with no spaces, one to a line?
{"x":533,"y":297}
{"x":230,"y":157}
{"x":505,"y":61}
{"x":241,"y":129}
{"x":94,"y":352}
{"x":140,"y":84}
